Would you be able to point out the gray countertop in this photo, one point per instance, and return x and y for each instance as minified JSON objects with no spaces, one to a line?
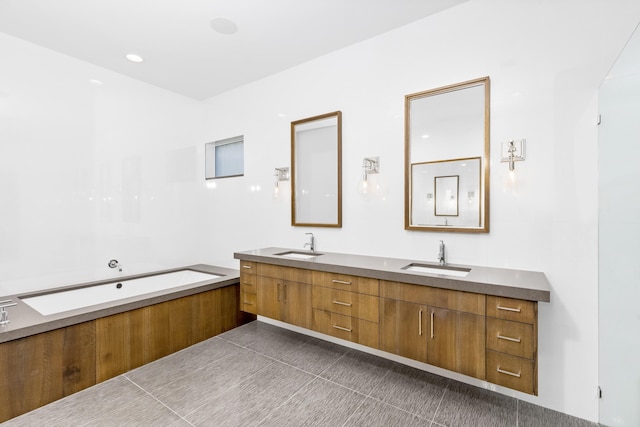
{"x":26,"y":321}
{"x":521,"y":284}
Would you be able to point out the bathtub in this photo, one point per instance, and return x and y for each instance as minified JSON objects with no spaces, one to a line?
{"x":66,"y":300}
{"x":63,"y":340}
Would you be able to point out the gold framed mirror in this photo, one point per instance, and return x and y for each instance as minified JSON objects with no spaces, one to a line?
{"x":316,"y":171}
{"x":446,"y":136}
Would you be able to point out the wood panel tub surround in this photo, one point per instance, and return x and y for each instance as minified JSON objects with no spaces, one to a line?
{"x":45,"y":367}
{"x":461,"y":325}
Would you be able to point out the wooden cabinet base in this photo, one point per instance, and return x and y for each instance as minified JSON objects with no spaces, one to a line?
{"x":42,"y":368}
{"x":346,"y":327}
{"x":511,"y":371}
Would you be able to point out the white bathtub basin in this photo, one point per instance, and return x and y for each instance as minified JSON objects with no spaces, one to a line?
{"x":57,"y":302}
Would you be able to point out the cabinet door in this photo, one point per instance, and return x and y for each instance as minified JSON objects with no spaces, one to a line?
{"x":296,"y":304}
{"x":268,"y":297}
{"x":403,"y":329}
{"x":456,"y":341}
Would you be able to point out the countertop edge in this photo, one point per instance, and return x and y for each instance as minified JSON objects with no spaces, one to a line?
{"x":540,"y":293}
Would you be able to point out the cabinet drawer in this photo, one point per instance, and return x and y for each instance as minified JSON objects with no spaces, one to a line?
{"x":346,"y":303}
{"x":345,"y":282}
{"x":248,"y":283}
{"x":435,"y":297}
{"x":248,"y":302}
{"x":248,"y":267}
{"x":346,"y":328}
{"x":285,"y":273}
{"x":514,"y":338}
{"x":511,"y":309}
{"x":511,"y":371}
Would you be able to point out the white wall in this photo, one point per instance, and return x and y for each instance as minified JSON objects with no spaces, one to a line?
{"x":64,"y":141}
{"x":91,"y":172}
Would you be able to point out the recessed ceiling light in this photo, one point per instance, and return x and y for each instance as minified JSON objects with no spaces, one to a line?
{"x":133,"y":57}
{"x":224,"y":26}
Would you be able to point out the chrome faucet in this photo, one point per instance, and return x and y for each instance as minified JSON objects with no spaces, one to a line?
{"x":311,"y":243}
{"x":441,"y":259}
{"x":4,"y":314}
{"x":114,"y":263}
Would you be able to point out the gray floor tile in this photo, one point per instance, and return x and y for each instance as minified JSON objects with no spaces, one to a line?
{"x":278,"y":344}
{"x":358,"y":371}
{"x":197,"y":388}
{"x":465,"y":405}
{"x":252,"y":400}
{"x":410,"y":389}
{"x":319,"y":403}
{"x":313,"y":356}
{"x":373,"y":413}
{"x":248,"y":333}
{"x":157,"y":374}
{"x":530,"y":415}
{"x":90,"y":404}
{"x":146,"y":411}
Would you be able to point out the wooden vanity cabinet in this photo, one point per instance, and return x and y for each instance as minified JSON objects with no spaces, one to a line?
{"x":455,"y":341}
{"x":248,"y":287}
{"x":487,"y":337}
{"x":284,"y":293}
{"x":403,"y":328}
{"x":512,"y":343}
{"x":346,"y":307}
{"x":441,"y":327}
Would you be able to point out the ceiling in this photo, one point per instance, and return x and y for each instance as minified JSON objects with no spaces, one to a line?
{"x":183,"y":52}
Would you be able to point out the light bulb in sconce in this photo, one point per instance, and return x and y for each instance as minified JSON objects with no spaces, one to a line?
{"x":368,"y":185}
{"x":280,"y":174}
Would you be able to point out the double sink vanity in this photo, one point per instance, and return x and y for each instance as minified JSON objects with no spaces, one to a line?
{"x":477,"y":321}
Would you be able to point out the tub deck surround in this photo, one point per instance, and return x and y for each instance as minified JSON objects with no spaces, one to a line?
{"x":26,"y":321}
{"x":500,"y":282}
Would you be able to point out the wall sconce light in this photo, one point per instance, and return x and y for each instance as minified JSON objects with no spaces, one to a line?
{"x":370,"y":166}
{"x":280,"y":174}
{"x":512,"y":152}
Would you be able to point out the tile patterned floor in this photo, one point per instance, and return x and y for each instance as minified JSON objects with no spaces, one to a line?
{"x":261,"y":375}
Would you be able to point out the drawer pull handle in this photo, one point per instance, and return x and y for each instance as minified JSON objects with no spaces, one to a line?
{"x":247,"y":266}
{"x":432,"y":319}
{"x":420,"y":322}
{"x":341,"y":282}
{"x":341,"y":328}
{"x":247,"y":303}
{"x":347,"y":304}
{"x":513,"y":374}
{"x":515,"y":310}
{"x":502,"y":337}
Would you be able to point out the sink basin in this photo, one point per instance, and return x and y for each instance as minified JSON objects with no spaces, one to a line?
{"x":298,"y":255}
{"x":440,"y":270}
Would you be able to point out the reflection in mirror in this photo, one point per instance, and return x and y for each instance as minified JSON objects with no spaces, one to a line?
{"x":447,"y":136}
{"x":444,"y":193}
{"x":316,"y":170}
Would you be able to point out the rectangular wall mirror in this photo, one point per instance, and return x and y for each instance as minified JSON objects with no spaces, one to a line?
{"x":447,"y":158}
{"x":316,"y":171}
